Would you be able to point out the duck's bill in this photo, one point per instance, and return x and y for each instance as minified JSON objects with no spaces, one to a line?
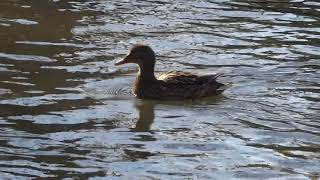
{"x":120,"y":62}
{"x":123,"y":61}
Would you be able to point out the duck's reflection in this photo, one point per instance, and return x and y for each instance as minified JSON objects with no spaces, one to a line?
{"x":146,"y":115}
{"x":146,"y":110}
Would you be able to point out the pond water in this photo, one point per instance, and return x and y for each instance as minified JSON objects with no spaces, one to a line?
{"x":66,"y":110}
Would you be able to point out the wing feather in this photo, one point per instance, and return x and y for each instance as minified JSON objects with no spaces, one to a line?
{"x":178,"y":77}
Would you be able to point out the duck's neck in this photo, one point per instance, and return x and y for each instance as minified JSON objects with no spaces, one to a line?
{"x":144,"y":79}
{"x":146,"y":74}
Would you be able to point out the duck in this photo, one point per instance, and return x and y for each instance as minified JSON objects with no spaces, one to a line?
{"x":172,"y":85}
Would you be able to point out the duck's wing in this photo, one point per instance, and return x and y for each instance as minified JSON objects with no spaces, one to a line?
{"x":180,"y":77}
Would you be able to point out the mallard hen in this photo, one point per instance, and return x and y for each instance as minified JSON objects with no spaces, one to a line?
{"x":170,"y":85}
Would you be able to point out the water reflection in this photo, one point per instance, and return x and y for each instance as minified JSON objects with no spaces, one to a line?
{"x":146,"y":115}
{"x":146,"y":110}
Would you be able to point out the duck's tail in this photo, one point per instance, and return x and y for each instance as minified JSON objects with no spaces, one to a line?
{"x":223,"y":87}
{"x":220,"y":87}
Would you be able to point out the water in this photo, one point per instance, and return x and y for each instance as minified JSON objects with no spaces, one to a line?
{"x":66,"y":110}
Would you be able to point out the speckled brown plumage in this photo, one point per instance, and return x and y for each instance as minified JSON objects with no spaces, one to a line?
{"x":170,"y":85}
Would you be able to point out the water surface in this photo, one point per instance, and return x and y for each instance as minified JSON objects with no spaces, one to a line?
{"x":67,"y":111}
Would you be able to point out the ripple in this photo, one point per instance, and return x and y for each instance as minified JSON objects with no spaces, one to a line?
{"x":312,"y":50}
{"x":115,"y":88}
{"x":26,"y":57}
{"x":24,"y":21}
{"x":56,"y":44}
{"x":5,"y":91}
{"x":41,"y":100}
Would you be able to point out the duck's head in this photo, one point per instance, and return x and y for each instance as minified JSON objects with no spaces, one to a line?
{"x":142,"y":55}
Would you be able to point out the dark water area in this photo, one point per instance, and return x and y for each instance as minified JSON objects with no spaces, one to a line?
{"x":66,"y":110}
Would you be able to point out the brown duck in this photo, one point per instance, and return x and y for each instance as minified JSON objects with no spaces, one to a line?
{"x":170,"y":85}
